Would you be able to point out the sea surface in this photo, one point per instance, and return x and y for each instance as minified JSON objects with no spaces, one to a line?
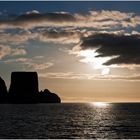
{"x":70,"y":120}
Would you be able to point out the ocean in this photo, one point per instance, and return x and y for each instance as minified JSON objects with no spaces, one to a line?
{"x":70,"y":120}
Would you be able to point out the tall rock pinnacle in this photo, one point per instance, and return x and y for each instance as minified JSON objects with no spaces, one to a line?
{"x":24,"y":84}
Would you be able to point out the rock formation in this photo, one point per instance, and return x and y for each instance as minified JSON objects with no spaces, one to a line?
{"x":24,"y":83}
{"x":47,"y":96}
{"x":24,"y":89}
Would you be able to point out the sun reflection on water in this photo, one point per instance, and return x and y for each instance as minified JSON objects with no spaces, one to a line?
{"x":100,"y":104}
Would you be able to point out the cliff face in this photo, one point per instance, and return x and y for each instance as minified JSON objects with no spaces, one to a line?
{"x":24,"y":83}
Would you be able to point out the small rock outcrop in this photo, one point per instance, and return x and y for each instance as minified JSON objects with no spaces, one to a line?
{"x":47,"y":96}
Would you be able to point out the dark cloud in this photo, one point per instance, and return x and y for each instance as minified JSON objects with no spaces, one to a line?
{"x":48,"y":16}
{"x":34,"y":17}
{"x":60,"y":36}
{"x":61,"y":33}
{"x":126,"y":48}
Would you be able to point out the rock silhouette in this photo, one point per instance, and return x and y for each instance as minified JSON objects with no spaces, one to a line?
{"x":3,"y":91}
{"x":24,"y":83}
{"x":24,"y":89}
{"x":47,"y":96}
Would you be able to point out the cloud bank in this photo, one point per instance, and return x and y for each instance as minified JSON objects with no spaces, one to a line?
{"x":96,"y":19}
{"x":83,"y":76}
{"x":109,"y":33}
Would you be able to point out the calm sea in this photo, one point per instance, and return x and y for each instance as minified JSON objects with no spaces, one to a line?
{"x":70,"y":121}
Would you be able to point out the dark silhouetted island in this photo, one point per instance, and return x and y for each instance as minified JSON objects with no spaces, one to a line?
{"x":24,"y":89}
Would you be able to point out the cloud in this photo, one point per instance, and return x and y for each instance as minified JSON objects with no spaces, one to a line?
{"x":103,"y":19}
{"x":20,"y":60}
{"x":60,"y":36}
{"x":8,"y":51}
{"x":83,"y":76}
{"x":17,"y":51}
{"x":30,"y":63}
{"x":16,"y":38}
{"x":106,"y":15}
{"x":4,"y":51}
{"x":121,"y":48}
{"x":41,"y":66}
{"x":32,"y":12}
{"x":34,"y":18}
{"x":55,"y":27}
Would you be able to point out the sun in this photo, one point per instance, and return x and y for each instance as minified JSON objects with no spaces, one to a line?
{"x":90,"y":57}
{"x":105,"y":71}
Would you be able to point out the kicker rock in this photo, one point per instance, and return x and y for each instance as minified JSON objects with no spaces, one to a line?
{"x":24,"y":84}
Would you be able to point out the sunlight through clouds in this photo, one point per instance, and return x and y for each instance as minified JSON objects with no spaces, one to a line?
{"x":105,"y":71}
{"x":90,"y":57}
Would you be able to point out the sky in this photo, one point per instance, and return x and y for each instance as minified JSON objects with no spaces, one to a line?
{"x":83,"y":51}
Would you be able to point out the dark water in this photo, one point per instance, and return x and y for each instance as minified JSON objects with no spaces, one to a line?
{"x":70,"y":121}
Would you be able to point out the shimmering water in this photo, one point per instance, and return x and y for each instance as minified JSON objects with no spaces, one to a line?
{"x":70,"y":121}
